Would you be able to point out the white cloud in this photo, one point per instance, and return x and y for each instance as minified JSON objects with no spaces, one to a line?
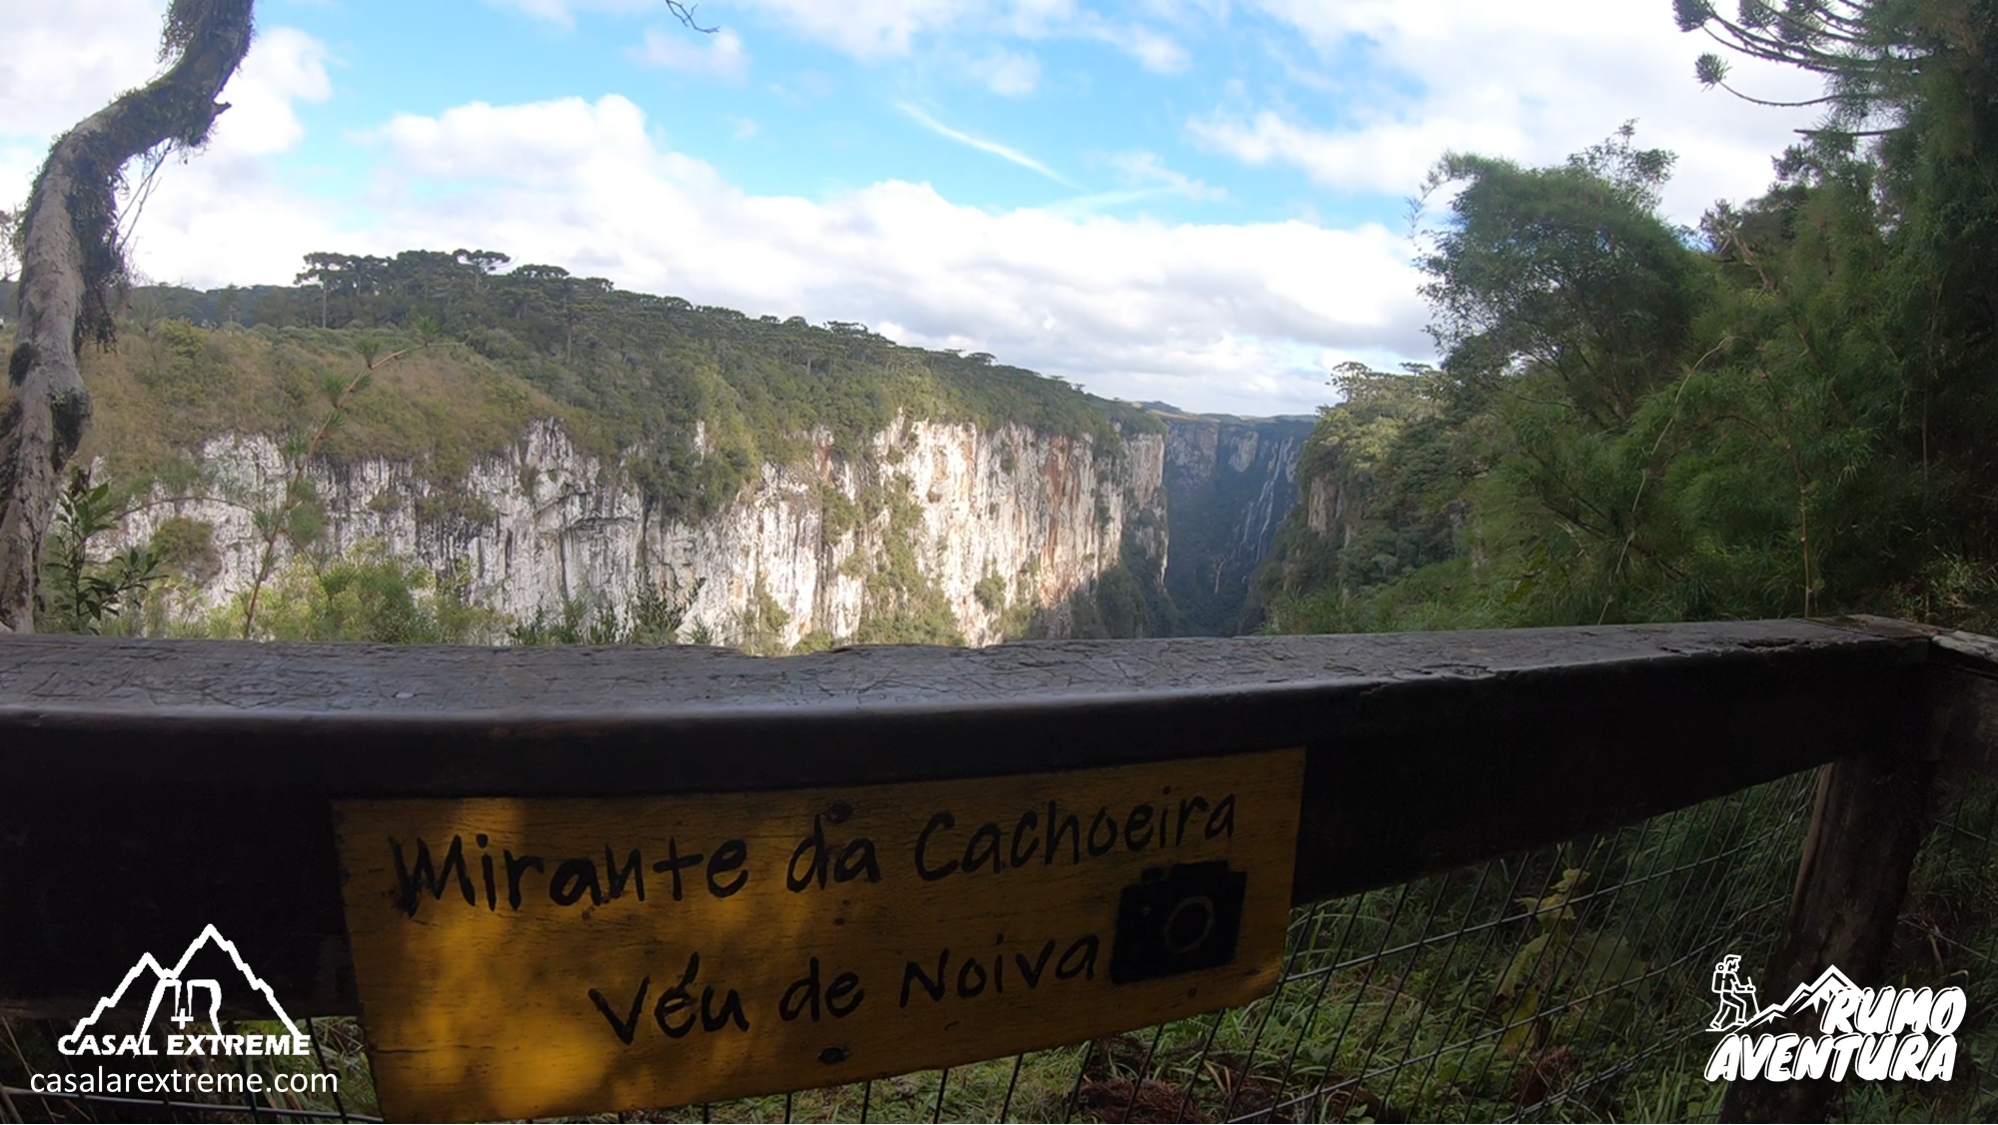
{"x":1006,"y":73}
{"x":1532,"y":82}
{"x":1389,"y":156}
{"x":65,"y":60}
{"x":1209,"y":316}
{"x":720,"y":54}
{"x":1154,"y":51}
{"x":284,"y":64}
{"x":1035,"y":19}
{"x":219,"y":215}
{"x":214,"y":214}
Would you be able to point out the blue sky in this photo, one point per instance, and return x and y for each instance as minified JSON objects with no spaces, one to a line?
{"x":1198,"y":202}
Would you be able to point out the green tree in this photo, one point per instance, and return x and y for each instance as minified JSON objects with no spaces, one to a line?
{"x":1567,"y":271}
{"x":1643,"y":428}
{"x":1389,"y":464}
{"x":1566,"y":305}
{"x":82,"y":595}
{"x":371,"y":595}
{"x":1881,"y":242}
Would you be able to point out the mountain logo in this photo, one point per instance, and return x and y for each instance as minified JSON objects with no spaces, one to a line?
{"x":1873,"y":1033}
{"x":183,"y":1008}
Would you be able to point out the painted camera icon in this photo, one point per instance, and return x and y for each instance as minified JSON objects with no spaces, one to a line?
{"x":1178,"y":920}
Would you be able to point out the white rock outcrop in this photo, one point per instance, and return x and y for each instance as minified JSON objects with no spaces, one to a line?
{"x":546,"y":522}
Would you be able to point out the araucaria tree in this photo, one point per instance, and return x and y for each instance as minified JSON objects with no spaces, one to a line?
{"x":71,"y":260}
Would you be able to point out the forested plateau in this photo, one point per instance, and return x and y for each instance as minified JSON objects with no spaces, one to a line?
{"x":434,"y":447}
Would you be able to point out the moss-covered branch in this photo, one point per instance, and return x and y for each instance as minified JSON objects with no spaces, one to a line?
{"x":70,"y":260}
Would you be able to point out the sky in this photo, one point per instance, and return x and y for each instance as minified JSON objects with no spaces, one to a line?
{"x":1205,"y":202}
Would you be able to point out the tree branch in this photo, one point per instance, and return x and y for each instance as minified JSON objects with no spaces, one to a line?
{"x":685,"y":14}
{"x":69,"y":261}
{"x":1826,"y":100}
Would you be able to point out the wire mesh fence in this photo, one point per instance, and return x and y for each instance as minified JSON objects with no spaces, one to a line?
{"x":1570,"y":982}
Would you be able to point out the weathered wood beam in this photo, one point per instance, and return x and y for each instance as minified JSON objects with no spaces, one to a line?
{"x":1965,"y":688}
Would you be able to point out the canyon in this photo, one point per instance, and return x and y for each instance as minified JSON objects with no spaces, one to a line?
{"x":1006,"y":526}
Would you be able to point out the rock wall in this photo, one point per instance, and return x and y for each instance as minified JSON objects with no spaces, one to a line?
{"x":1327,"y":511}
{"x":1229,"y":484}
{"x":1046,"y":515}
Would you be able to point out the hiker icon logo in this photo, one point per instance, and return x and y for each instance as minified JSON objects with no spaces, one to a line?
{"x":1873,"y":1034}
{"x":1737,"y":995}
{"x":182,"y":1008}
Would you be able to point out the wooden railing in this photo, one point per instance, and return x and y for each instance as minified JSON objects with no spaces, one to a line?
{"x":149,"y":788}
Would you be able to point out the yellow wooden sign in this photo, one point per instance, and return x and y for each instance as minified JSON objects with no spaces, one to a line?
{"x":530,"y":958}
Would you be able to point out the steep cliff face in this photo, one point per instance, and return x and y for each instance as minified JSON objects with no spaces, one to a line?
{"x":1384,"y":496}
{"x":1305,"y":555}
{"x":1328,"y":508}
{"x":1229,"y":484}
{"x":931,"y":514}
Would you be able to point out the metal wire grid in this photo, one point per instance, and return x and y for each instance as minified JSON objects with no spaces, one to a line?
{"x":1569,"y":982}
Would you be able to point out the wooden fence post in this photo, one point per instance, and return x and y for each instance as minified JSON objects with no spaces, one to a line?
{"x":1870,"y":817}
